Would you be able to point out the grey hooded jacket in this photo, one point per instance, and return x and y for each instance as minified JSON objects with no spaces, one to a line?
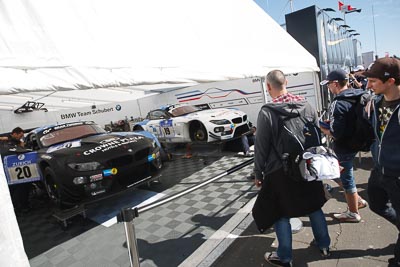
{"x":268,"y":146}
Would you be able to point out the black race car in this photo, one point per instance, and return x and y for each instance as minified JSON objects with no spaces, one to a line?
{"x":79,"y":161}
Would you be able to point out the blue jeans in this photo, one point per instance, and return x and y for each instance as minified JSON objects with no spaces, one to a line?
{"x":284,"y":234}
{"x":346,"y":175}
{"x":245,"y":143}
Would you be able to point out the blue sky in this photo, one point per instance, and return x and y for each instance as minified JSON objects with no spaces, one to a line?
{"x":387,"y":16}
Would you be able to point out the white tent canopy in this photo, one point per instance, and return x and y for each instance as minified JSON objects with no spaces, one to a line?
{"x":58,"y":45}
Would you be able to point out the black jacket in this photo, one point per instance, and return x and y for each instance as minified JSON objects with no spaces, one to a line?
{"x":280,"y":196}
{"x":342,"y":118}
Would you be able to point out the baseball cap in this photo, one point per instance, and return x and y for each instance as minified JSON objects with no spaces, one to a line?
{"x":358,"y":68}
{"x":335,"y":75}
{"x":384,"y":68}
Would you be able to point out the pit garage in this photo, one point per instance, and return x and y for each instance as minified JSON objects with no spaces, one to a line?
{"x":88,"y":65}
{"x":166,"y":235}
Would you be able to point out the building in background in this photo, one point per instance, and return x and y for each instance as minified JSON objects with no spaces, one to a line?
{"x":327,"y":38}
{"x":368,"y":58}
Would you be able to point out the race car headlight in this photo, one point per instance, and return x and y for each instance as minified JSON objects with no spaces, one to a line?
{"x":85,"y":166}
{"x":220,"y":122}
{"x":80,"y":180}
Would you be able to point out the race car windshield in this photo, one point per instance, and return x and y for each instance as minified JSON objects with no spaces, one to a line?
{"x":69,"y":133}
{"x":183,"y":110}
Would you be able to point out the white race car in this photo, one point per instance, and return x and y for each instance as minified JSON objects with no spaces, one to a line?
{"x":187,"y":123}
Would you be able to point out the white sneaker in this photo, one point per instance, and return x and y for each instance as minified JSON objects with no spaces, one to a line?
{"x":347,"y":216}
{"x":362,"y":203}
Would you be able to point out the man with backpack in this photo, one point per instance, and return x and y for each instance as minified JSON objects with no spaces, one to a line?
{"x":281,"y":197}
{"x":342,"y":123}
{"x":384,"y":182}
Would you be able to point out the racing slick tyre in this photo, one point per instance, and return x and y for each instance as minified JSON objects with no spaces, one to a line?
{"x":198,"y":132}
{"x":55,"y":190}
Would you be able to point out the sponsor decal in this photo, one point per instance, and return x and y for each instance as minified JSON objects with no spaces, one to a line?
{"x":166,"y":123}
{"x":118,"y":107}
{"x":151,"y":157}
{"x":112,"y":143}
{"x":98,"y":192}
{"x":110,"y":172}
{"x":76,"y":143}
{"x":66,"y":125}
{"x":96,"y":177}
{"x":78,"y":114}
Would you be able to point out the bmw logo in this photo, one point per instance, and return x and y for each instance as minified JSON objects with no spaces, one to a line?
{"x":118,"y":107}
{"x":21,"y":157}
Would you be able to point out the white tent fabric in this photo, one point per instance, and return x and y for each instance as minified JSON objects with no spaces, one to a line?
{"x":86,"y":44}
{"x":12,"y":251}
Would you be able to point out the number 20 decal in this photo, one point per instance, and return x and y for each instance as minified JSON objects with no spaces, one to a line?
{"x":23,"y":172}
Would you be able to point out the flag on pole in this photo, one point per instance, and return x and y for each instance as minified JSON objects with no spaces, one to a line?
{"x":341,"y":6}
{"x":351,"y":9}
{"x":348,"y":8}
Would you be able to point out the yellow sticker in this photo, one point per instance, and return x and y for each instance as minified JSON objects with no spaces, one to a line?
{"x":114,"y":171}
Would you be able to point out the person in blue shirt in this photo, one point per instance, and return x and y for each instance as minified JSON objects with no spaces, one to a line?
{"x":342,"y":116}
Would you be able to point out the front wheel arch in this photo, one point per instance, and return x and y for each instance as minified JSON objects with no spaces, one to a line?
{"x":138,"y":128}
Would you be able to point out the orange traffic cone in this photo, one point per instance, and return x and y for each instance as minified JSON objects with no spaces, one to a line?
{"x":188,"y":154}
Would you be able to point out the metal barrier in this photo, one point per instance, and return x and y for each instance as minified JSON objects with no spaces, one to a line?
{"x":128,"y":214}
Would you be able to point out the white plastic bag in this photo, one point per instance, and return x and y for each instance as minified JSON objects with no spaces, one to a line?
{"x":319,"y":163}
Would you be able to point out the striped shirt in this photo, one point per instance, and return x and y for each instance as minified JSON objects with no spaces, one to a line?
{"x":288,"y":97}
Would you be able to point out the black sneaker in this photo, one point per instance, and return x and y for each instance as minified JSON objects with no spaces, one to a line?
{"x":393,"y":262}
{"x":251,"y":177}
{"x":325,"y":253}
{"x":273,"y":259}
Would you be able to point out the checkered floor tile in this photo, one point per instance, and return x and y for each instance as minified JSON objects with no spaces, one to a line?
{"x":166,"y":235}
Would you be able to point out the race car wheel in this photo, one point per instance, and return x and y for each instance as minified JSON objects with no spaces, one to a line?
{"x":54,"y":190}
{"x":199,"y":133}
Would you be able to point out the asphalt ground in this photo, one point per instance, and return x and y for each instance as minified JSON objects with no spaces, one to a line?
{"x":368,"y":243}
{"x":197,"y":234}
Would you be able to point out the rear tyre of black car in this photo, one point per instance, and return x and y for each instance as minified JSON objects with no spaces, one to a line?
{"x":55,"y":190}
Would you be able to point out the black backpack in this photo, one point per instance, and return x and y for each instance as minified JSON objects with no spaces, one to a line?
{"x":297,"y":134}
{"x":362,"y":135}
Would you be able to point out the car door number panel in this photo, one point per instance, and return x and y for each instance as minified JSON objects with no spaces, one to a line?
{"x":166,"y":128}
{"x":21,"y":168}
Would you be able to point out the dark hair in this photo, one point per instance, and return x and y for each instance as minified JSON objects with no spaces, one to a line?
{"x":17,"y":130}
{"x":385,"y":79}
{"x":342,"y":83}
